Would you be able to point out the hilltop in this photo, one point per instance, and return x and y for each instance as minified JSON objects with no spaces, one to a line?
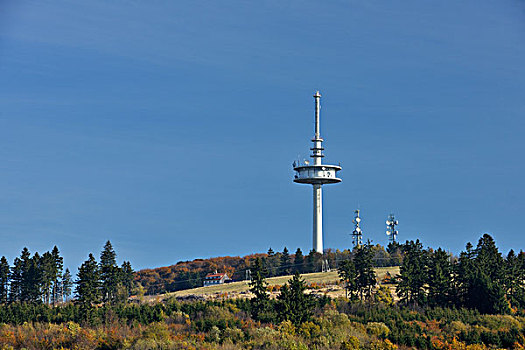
{"x":319,"y":283}
{"x":190,"y":274}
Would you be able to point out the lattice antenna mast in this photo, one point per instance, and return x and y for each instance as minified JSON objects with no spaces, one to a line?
{"x":357,"y":234}
{"x":391,"y":231}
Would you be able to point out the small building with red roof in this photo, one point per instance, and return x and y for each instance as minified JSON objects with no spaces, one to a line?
{"x":212,"y":279}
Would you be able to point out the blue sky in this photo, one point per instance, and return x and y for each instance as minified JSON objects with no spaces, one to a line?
{"x":170,"y":127}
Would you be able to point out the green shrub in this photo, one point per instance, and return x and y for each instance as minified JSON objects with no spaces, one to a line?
{"x":352,"y":343}
{"x":378,"y":329}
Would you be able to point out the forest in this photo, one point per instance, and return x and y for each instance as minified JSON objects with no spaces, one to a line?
{"x":438,"y":301}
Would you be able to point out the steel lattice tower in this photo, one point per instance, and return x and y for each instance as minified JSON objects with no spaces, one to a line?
{"x":391,"y":231}
{"x":357,"y":234}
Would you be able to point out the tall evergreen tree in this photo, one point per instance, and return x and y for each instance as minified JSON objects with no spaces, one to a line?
{"x":465,"y":272}
{"x":366,"y":277}
{"x":48,"y":269}
{"x":272,"y":263}
{"x":285,"y":262}
{"x":298,"y":261}
{"x":126,"y":279}
{"x":311,"y":261}
{"x":67,"y":285}
{"x":488,"y":294}
{"x":481,"y":276}
{"x":411,"y":287}
{"x":489,"y":259}
{"x":87,"y":284}
{"x":57,"y":274}
{"x":512,"y":280}
{"x":25,"y":278}
{"x":347,"y":275}
{"x":16,"y":281}
{"x":293,"y":304}
{"x":259,"y":304}
{"x":109,"y":273}
{"x":33,"y":280}
{"x":439,"y":279}
{"x":4,"y":280}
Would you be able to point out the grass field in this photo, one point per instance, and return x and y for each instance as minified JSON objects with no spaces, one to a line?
{"x":329,"y":278}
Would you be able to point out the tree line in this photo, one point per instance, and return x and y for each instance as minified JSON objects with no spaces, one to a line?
{"x":37,"y":278}
{"x":479,"y":278}
{"x":42,"y":279}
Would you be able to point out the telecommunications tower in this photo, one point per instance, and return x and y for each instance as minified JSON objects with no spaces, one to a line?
{"x":391,"y":231}
{"x":357,"y":234}
{"x":317,"y":175}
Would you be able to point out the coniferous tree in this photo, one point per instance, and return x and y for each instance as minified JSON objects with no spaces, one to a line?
{"x":481,"y":277}
{"x":488,"y":294}
{"x":411,"y":287}
{"x":16,"y":281}
{"x":466,"y":272}
{"x":109,"y":273}
{"x":4,"y":280}
{"x":293,"y":304}
{"x":347,"y":275}
{"x":298,"y":261}
{"x":285,"y":262}
{"x":312,"y":261}
{"x":57,"y":274}
{"x":127,"y":274}
{"x":67,"y":285}
{"x":518,"y":291}
{"x":25,"y":277}
{"x":439,"y":279}
{"x":33,"y":280}
{"x":489,"y":258}
{"x":259,"y":304}
{"x":272,"y":263}
{"x":366,"y":277}
{"x":512,"y":278}
{"x":87,"y":284}
{"x":48,"y":270}
{"x":394,"y":249}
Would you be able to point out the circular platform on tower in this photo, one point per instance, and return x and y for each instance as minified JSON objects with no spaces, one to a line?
{"x":316,"y":174}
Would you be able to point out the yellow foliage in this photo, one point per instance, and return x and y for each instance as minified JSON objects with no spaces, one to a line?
{"x":286,"y":327}
{"x":352,"y":343}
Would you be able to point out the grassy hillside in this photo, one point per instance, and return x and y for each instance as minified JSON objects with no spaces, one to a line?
{"x":239,"y":288}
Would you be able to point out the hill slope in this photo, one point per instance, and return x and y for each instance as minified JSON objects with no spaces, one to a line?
{"x":326,"y":282}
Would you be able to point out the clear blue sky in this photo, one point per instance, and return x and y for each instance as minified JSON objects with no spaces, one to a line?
{"x":170,"y":127}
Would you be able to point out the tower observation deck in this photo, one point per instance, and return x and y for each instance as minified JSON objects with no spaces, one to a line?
{"x":317,"y":174}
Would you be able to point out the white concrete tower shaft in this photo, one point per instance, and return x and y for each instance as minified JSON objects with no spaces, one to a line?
{"x":317,"y":188}
{"x":318,"y":219}
{"x":317,"y":174}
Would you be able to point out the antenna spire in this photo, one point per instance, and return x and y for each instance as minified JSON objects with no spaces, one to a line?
{"x":317,"y":97}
